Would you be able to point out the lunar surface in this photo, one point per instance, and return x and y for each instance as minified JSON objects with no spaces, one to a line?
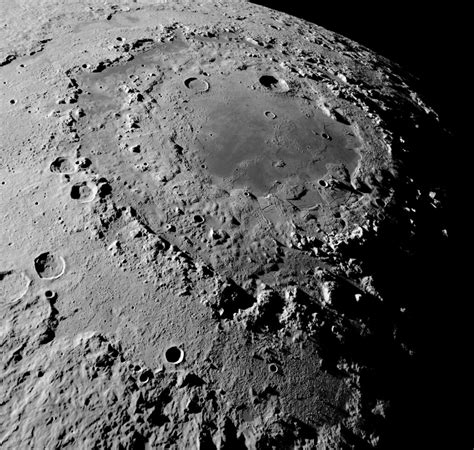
{"x":213,"y":219}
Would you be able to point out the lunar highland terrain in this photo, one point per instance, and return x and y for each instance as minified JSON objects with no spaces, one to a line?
{"x":214,"y":229}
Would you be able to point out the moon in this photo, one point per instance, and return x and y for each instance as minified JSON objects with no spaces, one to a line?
{"x":211,"y":214}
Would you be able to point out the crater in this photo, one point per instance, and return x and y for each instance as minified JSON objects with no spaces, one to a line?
{"x":145,"y":376}
{"x":270,"y":115}
{"x":103,"y":188}
{"x":83,"y":192}
{"x":49,"y":266}
{"x":174,"y":355}
{"x":274,"y":84}
{"x":50,"y":295}
{"x":196,"y":85}
{"x":83,"y":163}
{"x":273,"y":368}
{"x":198,"y":219}
{"x":268,"y":81}
{"x":62,"y":164}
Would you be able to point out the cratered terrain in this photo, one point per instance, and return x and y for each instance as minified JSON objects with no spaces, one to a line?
{"x":211,"y":221}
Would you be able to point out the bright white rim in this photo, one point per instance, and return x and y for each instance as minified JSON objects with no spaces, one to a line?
{"x":180,"y":359}
{"x":60,"y":274}
{"x":18,"y":297}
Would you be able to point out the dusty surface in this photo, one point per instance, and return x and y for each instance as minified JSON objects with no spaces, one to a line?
{"x":204,"y":209}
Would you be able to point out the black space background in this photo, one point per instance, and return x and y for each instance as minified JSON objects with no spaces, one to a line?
{"x":427,"y":41}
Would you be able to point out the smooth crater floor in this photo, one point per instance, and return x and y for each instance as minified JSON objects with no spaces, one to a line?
{"x":245,"y":144}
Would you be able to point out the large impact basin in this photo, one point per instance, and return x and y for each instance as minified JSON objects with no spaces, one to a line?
{"x":263,"y":140}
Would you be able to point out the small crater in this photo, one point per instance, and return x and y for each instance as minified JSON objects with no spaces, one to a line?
{"x":62,"y":165}
{"x":104,"y":189}
{"x":50,"y":295}
{"x":49,"y":266}
{"x":272,"y":83}
{"x":273,"y":368}
{"x":270,"y":115}
{"x":83,"y":163}
{"x":326,"y":136}
{"x":196,"y":85}
{"x":174,"y":355}
{"x":198,"y":219}
{"x":83,"y":192}
{"x":323,"y":183}
{"x":145,"y":376}
{"x":268,"y":81}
